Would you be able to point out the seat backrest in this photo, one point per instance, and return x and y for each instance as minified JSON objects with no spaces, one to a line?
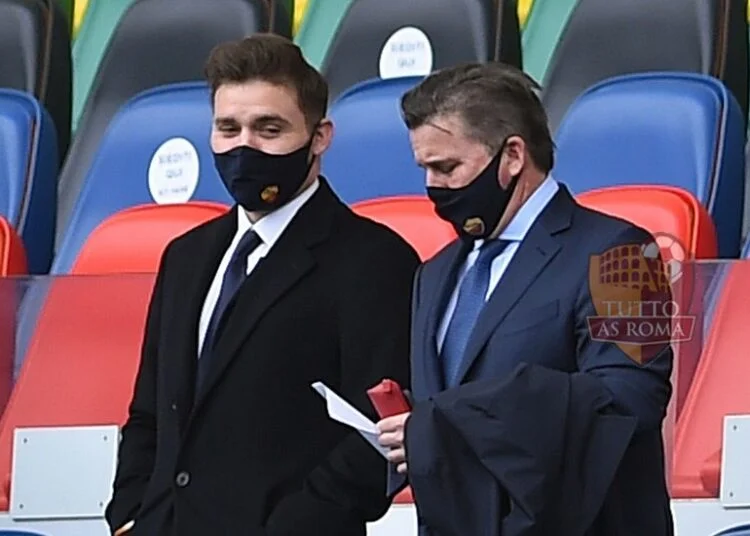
{"x":95,"y":326}
{"x":675,"y":129}
{"x":391,"y":38}
{"x":90,"y":44}
{"x":12,"y":253}
{"x":660,"y":210}
{"x":133,"y":241}
{"x":160,"y":42}
{"x":720,"y":388}
{"x":28,"y":174}
{"x":542,"y":32}
{"x":370,"y":155}
{"x":668,"y":213}
{"x":605,"y":38}
{"x":155,"y":151}
{"x":413,"y":218}
{"x":35,"y":57}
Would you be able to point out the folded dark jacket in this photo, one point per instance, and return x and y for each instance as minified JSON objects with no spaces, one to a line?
{"x":533,"y":454}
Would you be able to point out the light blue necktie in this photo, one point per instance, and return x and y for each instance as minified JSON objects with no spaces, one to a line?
{"x":471,"y":300}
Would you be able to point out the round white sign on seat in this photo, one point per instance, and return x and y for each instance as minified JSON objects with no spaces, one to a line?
{"x":407,"y":52}
{"x":173,"y":172}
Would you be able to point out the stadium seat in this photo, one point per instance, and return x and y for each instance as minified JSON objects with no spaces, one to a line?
{"x":392,"y":38}
{"x":541,"y":34}
{"x":370,"y":155}
{"x":132,"y":241}
{"x":524,"y":8}
{"x":28,"y":174}
{"x":81,"y":361}
{"x":282,"y":16}
{"x":92,"y":39}
{"x":12,"y":253}
{"x":35,"y":50}
{"x":156,"y":42}
{"x":300,"y":11}
{"x":67,"y":7}
{"x":668,"y":212}
{"x":660,"y":210}
{"x":677,"y":129}
{"x":316,"y":31}
{"x":80,"y":8}
{"x":155,"y":151}
{"x":413,"y":218}
{"x":605,"y":38}
{"x":720,"y":388}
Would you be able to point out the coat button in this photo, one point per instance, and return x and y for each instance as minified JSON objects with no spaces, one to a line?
{"x":182,"y":479}
{"x":174,"y":406}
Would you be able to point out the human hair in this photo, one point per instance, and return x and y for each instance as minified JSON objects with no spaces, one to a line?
{"x":494,"y":101}
{"x":274,"y":59}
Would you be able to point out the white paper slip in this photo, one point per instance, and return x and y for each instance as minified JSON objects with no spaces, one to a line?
{"x":342,"y":411}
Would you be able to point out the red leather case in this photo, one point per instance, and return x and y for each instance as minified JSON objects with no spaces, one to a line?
{"x":388,"y":399}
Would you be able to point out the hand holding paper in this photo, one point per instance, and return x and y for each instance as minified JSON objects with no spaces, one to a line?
{"x":342,"y":411}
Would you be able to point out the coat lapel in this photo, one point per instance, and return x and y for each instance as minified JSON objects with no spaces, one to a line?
{"x":443,"y":284}
{"x":535,"y":252}
{"x":288,"y":262}
{"x":187,"y":303}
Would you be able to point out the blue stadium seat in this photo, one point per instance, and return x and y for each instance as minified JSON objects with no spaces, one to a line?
{"x":28,"y":174}
{"x":677,"y":129}
{"x":156,"y":150}
{"x":370,"y":155}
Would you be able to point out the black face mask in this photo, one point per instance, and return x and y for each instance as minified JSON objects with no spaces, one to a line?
{"x":260,"y":181}
{"x":476,"y":209}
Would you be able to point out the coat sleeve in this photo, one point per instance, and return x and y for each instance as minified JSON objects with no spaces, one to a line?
{"x":137,"y":447}
{"x":640,"y":390}
{"x":349,"y":488}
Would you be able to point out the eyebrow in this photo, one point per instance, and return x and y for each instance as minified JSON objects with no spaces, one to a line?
{"x":260,"y":120}
{"x":438,"y":162}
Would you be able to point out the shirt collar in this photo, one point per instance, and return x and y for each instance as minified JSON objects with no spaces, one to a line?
{"x":519,"y":226}
{"x":270,"y":227}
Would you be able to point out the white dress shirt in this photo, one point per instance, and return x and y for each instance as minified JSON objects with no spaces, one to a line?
{"x":269,"y":228}
{"x":515,"y":232}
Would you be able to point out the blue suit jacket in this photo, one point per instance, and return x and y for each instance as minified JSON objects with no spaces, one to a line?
{"x":537,"y":315}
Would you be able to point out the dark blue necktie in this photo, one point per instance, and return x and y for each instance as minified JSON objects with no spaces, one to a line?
{"x":471,"y":300}
{"x":234,"y":276}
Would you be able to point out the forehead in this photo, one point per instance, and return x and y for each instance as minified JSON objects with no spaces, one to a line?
{"x":248,"y":100}
{"x":441,"y":138}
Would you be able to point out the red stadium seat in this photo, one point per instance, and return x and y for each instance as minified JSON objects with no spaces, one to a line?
{"x":133,"y":240}
{"x":12,"y":253}
{"x":659,"y":209}
{"x":12,"y":263}
{"x":676,"y":212}
{"x":412,"y":217}
{"x":83,"y":356}
{"x":720,"y":388}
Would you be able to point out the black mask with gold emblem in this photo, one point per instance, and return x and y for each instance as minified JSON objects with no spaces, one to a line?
{"x":475,"y":209}
{"x":260,"y":181}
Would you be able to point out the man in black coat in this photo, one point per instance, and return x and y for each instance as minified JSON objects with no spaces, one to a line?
{"x":225,"y":434}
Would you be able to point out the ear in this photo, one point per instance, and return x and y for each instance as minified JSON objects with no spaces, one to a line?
{"x":512,"y":161}
{"x":322,"y":137}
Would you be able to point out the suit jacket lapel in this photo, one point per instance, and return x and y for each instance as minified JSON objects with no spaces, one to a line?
{"x":535,"y":252}
{"x":186,"y":304}
{"x":288,"y":262}
{"x":431,"y":364}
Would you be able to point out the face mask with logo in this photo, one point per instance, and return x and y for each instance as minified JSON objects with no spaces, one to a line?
{"x":475,"y":209}
{"x":260,"y":181}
